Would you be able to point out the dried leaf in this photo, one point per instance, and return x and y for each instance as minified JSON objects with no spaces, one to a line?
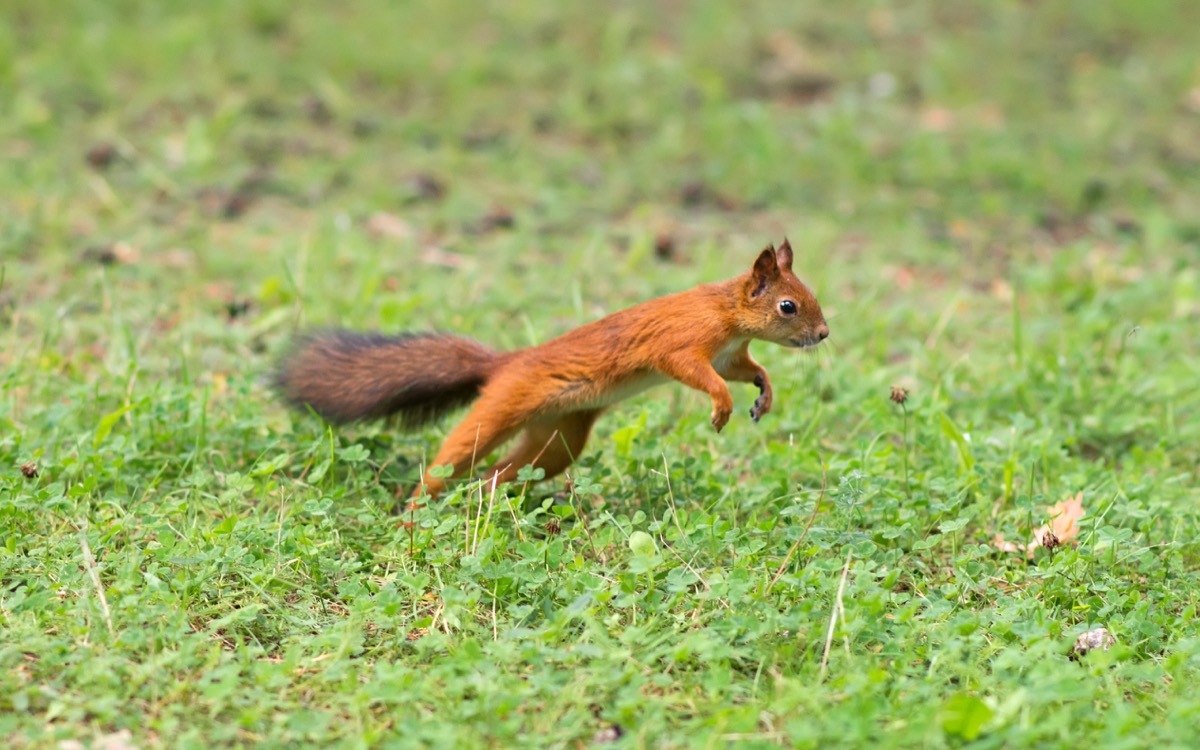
{"x":1062,"y":529}
{"x":903,"y":277}
{"x":936,"y":119}
{"x":1063,"y":526}
{"x":1002,"y":544}
{"x":436,"y":256}
{"x":125,"y":253}
{"x":389,"y":226}
{"x":114,"y":254}
{"x":1192,"y":100}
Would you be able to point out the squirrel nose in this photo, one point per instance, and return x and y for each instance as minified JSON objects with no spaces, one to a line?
{"x":823,"y":332}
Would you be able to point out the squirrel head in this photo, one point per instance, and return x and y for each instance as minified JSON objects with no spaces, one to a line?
{"x":776,"y":306}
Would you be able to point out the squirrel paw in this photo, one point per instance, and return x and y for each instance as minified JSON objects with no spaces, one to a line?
{"x":762,"y":405}
{"x":720,"y":418}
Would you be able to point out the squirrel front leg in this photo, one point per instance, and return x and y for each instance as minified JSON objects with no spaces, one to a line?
{"x":743,"y":369}
{"x":696,"y":371}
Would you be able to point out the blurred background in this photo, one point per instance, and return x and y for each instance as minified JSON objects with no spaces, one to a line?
{"x":202,"y":178}
{"x":996,"y":201}
{"x":965,"y":183}
{"x":207,"y":136}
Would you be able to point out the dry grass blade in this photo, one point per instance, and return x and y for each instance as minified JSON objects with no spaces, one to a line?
{"x":787,"y":559}
{"x":833,"y":617}
{"x":89,"y":562}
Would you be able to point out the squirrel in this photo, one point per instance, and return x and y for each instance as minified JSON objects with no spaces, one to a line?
{"x":552,"y":393}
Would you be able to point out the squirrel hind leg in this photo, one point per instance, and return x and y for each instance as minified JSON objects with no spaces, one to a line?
{"x":476,"y":436}
{"x":550,"y":445}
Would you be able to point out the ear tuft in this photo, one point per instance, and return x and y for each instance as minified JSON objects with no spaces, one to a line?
{"x":784,"y":255}
{"x":766,"y":270}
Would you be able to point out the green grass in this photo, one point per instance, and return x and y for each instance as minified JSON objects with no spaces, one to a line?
{"x":997,"y":203}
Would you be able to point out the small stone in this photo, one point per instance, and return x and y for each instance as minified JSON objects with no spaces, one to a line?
{"x":608,"y":734}
{"x":1099,"y":638}
{"x":102,"y":155}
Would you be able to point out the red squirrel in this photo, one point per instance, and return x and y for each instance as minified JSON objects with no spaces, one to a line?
{"x":552,"y":393}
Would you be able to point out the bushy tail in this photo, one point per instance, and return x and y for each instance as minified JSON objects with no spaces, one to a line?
{"x":349,"y":377}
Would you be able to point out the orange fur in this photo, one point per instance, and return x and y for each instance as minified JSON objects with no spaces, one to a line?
{"x":553,"y":393}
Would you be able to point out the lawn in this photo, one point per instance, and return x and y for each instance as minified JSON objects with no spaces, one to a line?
{"x":997,"y":203}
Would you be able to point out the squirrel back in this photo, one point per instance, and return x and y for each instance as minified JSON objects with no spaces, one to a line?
{"x":345,"y":376}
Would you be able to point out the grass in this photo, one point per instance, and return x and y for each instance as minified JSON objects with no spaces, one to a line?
{"x":996,"y":202}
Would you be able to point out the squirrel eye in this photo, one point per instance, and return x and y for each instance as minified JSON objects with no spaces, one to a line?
{"x":787,"y":307}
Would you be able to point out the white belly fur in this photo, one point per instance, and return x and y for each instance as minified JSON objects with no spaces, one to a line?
{"x":721,"y":362}
{"x":634,"y":386}
{"x":629,"y":388}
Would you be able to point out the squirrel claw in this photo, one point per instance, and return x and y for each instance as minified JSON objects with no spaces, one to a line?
{"x":760,"y":408}
{"x":720,"y":418}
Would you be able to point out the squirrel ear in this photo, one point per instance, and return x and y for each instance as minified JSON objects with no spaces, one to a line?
{"x":766,"y":270}
{"x":784,"y":255}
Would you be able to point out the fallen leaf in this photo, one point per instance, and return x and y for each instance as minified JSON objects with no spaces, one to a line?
{"x":1063,"y":526}
{"x":175,"y":258}
{"x":125,"y":253}
{"x":1002,"y":290}
{"x":882,"y":23}
{"x":389,"y":226}
{"x":936,"y":119}
{"x":1002,"y":544}
{"x":1192,"y":100}
{"x":791,"y":73}
{"x":436,"y":256}
{"x":1062,"y":529}
{"x":961,"y":230}
{"x":118,"y":253}
{"x":902,"y":276}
